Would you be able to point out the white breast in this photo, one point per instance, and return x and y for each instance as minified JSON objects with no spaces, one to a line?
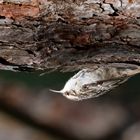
{"x":81,"y":78}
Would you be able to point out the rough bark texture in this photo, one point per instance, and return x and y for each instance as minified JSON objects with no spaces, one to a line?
{"x":68,"y":34}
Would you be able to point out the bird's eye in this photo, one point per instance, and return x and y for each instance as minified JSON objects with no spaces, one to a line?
{"x":67,"y":93}
{"x":85,"y":87}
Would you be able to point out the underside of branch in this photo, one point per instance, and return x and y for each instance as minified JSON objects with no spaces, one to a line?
{"x":68,"y":35}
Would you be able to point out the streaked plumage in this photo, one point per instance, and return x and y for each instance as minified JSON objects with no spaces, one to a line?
{"x":90,"y":83}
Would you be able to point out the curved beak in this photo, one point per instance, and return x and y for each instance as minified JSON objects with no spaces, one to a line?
{"x":56,"y":91}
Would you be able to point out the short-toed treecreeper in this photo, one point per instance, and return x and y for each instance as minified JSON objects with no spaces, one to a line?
{"x":90,"y":83}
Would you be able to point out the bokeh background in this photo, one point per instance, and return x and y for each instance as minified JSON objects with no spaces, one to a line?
{"x":29,"y":111}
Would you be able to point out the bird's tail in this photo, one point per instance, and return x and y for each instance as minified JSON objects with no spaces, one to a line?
{"x":133,"y":72}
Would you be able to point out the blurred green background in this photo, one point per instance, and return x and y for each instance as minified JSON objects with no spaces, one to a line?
{"x":127,"y":91}
{"x":29,"y":111}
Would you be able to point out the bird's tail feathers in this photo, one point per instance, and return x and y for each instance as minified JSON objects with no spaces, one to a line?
{"x":133,"y":72}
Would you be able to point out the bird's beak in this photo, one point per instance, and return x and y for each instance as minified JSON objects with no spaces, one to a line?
{"x":56,"y":91}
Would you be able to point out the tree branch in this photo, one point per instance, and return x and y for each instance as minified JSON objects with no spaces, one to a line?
{"x":68,"y":34}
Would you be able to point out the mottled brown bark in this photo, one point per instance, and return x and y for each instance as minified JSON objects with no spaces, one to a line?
{"x":68,"y":34}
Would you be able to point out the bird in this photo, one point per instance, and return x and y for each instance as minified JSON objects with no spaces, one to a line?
{"x":94,"y":82}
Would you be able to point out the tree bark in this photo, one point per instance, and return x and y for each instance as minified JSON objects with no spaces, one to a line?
{"x":68,"y":35}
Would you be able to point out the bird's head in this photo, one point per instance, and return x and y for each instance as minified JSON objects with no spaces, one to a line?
{"x":71,"y":94}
